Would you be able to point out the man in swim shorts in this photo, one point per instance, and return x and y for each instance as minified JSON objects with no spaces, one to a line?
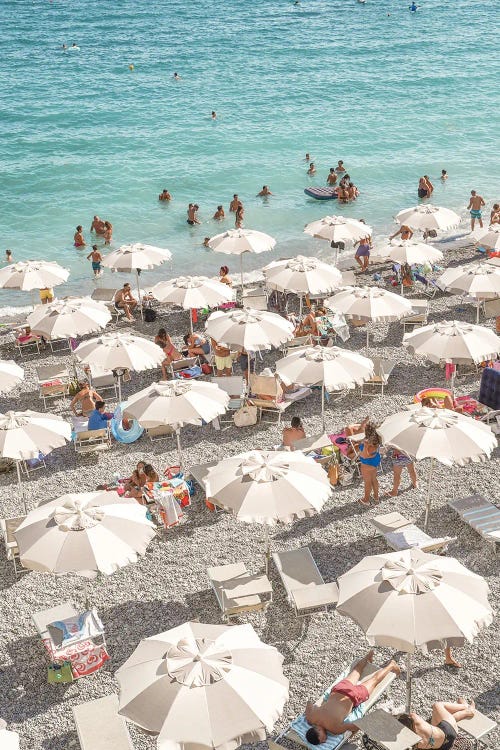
{"x":96,"y":260}
{"x":223,"y":359}
{"x":344,"y":696}
{"x":192,"y":217}
{"x":125,"y":301}
{"x":476,"y":203}
{"x":97,"y":225}
{"x":233,"y":206}
{"x":46,"y":295}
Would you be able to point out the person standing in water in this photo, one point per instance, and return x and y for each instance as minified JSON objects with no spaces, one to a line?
{"x":404,"y":231}
{"x":96,"y":261}
{"x":265,"y":191}
{"x":476,"y":203}
{"x":444,"y":175}
{"x":78,"y":237}
{"x":8,"y":256}
{"x":332,"y":177}
{"x":234,"y":203}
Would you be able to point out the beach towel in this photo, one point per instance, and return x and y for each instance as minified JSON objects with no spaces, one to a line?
{"x":86,"y":657}
{"x":300,"y":725}
{"x":66,"y":632}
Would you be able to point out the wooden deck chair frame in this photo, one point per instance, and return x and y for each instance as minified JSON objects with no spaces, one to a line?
{"x":100,"y":727}
{"x":90,"y":441}
{"x":8,"y":528}
{"x":306,"y":590}
{"x":248,"y":599}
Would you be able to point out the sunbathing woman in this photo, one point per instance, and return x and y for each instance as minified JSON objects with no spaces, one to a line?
{"x":441,"y":403}
{"x":133,"y":487}
{"x":442,"y":730}
{"x":369,"y":459}
{"x":308,"y":327}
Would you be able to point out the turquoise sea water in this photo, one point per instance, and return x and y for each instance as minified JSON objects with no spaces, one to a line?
{"x":394,"y":94}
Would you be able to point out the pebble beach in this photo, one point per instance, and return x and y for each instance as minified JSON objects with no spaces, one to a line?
{"x":169,"y":584}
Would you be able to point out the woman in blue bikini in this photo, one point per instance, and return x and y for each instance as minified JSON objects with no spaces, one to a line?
{"x":369,"y":458}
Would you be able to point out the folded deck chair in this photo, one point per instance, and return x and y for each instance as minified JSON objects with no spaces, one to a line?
{"x":45,"y":617}
{"x":481,"y":515}
{"x":53,"y":382}
{"x":296,"y":731}
{"x":89,"y":441}
{"x":263,"y":385}
{"x":100,"y":727}
{"x":382,"y":370}
{"x":478,"y":727}
{"x":400,"y":534}
{"x":419,"y":315}
{"x":237,"y":591}
{"x":306,"y":590}
{"x":297,"y":343}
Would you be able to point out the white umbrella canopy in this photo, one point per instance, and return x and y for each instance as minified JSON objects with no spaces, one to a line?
{"x":192,"y":292}
{"x":412,"y":600}
{"x":177,"y":403}
{"x":254,"y":330}
{"x":116,"y":350}
{"x":438,"y":434}
{"x":26,"y":434}
{"x":338,"y":229}
{"x":204,"y":686}
{"x":10,"y":375}
{"x":370,"y":304}
{"x":409,"y":251}
{"x":32,"y":274}
{"x":489,"y":238}
{"x":303,"y":275}
{"x":240,"y":241}
{"x":428,"y":217}
{"x":69,"y":317}
{"x":84,"y":533}
{"x":477,"y":280}
{"x":333,"y":367}
{"x":8,"y":740}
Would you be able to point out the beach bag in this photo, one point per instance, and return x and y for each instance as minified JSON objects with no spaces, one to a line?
{"x":345,"y":477}
{"x":245,"y":416}
{"x":150,"y":315}
{"x":59,"y":673}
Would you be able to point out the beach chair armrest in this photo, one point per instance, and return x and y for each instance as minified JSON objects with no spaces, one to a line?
{"x":312,"y":597}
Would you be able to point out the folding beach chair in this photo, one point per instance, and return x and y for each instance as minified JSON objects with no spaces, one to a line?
{"x":481,"y":515}
{"x":53,"y":382}
{"x":180,"y":368}
{"x":419,"y":315}
{"x":8,"y":527}
{"x":27,"y":342}
{"x":306,"y":590}
{"x":386,"y":731}
{"x":160,"y":433}
{"x":103,"y":380}
{"x":108,"y":297}
{"x":99,"y":725}
{"x":235,"y":387}
{"x":297,"y":343}
{"x":478,"y":727}
{"x":237,"y":591}
{"x":382,"y":370}
{"x":263,"y":385}
{"x":399,"y":533}
{"x":91,"y":441}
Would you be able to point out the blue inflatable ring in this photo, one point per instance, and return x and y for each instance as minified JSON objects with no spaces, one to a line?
{"x":119,"y":433}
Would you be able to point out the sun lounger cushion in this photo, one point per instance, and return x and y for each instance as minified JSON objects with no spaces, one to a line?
{"x":72,"y":629}
{"x":300,"y":725}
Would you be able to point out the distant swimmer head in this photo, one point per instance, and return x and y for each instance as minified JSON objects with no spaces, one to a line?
{"x":130,"y":67}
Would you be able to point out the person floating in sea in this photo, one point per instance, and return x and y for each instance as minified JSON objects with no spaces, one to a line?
{"x":192,"y":214}
{"x":97,"y":225}
{"x":64,"y":47}
{"x":164,"y":195}
{"x":78,"y":237}
{"x":332,"y":177}
{"x":265,"y":191}
{"x":219,"y":214}
{"x":176,"y":77}
{"x":214,"y":115}
{"x":206,"y":240}
{"x":96,"y":261}
{"x":308,"y":157}
{"x":476,"y":203}
{"x":234,"y":203}
{"x":312,"y":169}
{"x":8,"y":256}
{"x":444,"y":175}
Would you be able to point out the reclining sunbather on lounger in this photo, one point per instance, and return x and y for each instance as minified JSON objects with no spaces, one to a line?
{"x":442,"y":730}
{"x":344,"y":696}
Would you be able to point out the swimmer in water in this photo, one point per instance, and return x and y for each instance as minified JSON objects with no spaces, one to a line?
{"x":312,"y":169}
{"x":96,"y":261}
{"x":234,"y":203}
{"x":8,"y":256}
{"x":206,"y":240}
{"x":444,"y":175}
{"x":219,"y":214}
{"x":108,"y":233}
{"x":164,"y":195}
{"x":308,"y":157}
{"x":74,"y":46}
{"x":265,"y":191}
{"x":97,"y":225}
{"x":340,"y":166}
{"x":65,"y":47}
{"x":177,"y":77}
{"x":192,"y":214}
{"x":413,"y":7}
{"x":78,"y":237}
{"x":214,"y":115}
{"x":332,"y":177}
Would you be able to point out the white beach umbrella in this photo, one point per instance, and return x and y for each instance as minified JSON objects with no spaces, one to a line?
{"x":333,"y":367}
{"x":192,"y":292}
{"x":69,"y":317}
{"x":453,"y":342}
{"x":488,"y":237}
{"x":120,"y":351}
{"x":9,"y":740}
{"x":253,"y":330}
{"x":26,"y":434}
{"x":427,"y":217}
{"x":338,"y":229}
{"x":370,"y":304}
{"x":303,"y":275}
{"x":269,"y":486}
{"x":479,"y":280}
{"x":409,"y":251}
{"x":241,"y":241}
{"x":32,"y":274}
{"x":10,"y":375}
{"x":84,"y":533}
{"x":411,"y":600}
{"x":177,"y":403}
{"x":136,"y":257}
{"x":438,"y":434}
{"x":204,"y":686}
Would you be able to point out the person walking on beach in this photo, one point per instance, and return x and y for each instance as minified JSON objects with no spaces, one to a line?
{"x":332,"y":177}
{"x":96,"y":261}
{"x":97,"y":225}
{"x":362,"y":255}
{"x":192,"y":214}
{"x":78,"y":237}
{"x":219,"y":214}
{"x":234,"y":203}
{"x":476,"y":203}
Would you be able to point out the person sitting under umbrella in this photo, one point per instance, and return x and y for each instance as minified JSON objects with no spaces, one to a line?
{"x":124,"y":300}
{"x":344,"y":696}
{"x":98,"y":418}
{"x":197,"y":345}
{"x":309,"y":326}
{"x":442,"y":730}
{"x":86,"y":398}
{"x":293,"y":433}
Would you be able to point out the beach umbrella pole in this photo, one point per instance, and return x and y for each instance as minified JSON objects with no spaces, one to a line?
{"x":86,"y":593}
{"x":241,"y":274}
{"x":20,"y":484}
{"x":179,"y":449}
{"x":367,"y":337}
{"x":139,"y":293}
{"x":267,"y":549}
{"x":323,"y":405}
{"x":408,"y":683}
{"x":428,"y":500}
{"x":119,"y":375}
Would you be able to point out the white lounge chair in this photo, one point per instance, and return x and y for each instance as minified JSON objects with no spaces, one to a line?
{"x":99,"y":725}
{"x":103,"y":380}
{"x":8,"y":528}
{"x":237,"y":591}
{"x":160,"y":433}
{"x":108,"y":297}
{"x":481,"y":514}
{"x":91,"y":441}
{"x":60,"y":612}
{"x":234,"y":386}
{"x":306,"y":590}
{"x":419,"y":315}
{"x":400,"y":534}
{"x":382,"y":370}
{"x":263,"y":385}
{"x":387,"y":731}
{"x":179,"y":365}
{"x":478,"y":727}
{"x":297,"y":729}
{"x":53,"y":382}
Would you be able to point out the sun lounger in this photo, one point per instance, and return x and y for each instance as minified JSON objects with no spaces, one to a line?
{"x":478,"y":727}
{"x":103,"y":380}
{"x":181,"y":367}
{"x":382,"y":370}
{"x":296,"y":731}
{"x":306,"y":590}
{"x":234,"y":386}
{"x":160,"y":433}
{"x":387,"y":731}
{"x":90,"y":441}
{"x":237,"y":591}
{"x":297,"y":343}
{"x":418,"y":316}
{"x":263,"y":385}
{"x":24,"y":341}
{"x":108,"y":297}
{"x":481,"y":515}
{"x":8,"y":528}
{"x":53,"y":382}
{"x":400,"y":534}
{"x":99,"y":725}
{"x":60,"y":612}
